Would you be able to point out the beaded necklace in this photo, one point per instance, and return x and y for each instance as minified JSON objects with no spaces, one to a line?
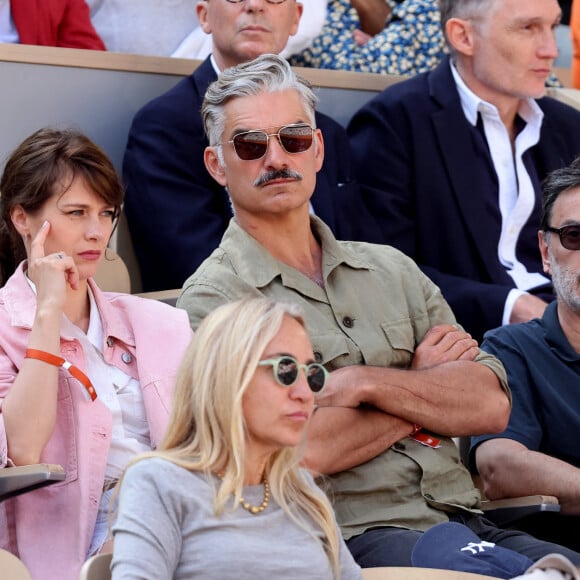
{"x":256,"y":509}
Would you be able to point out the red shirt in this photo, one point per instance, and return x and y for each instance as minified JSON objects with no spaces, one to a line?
{"x":65,"y":23}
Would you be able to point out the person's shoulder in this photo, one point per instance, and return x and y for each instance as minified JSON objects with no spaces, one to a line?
{"x":514,"y":334}
{"x":557,"y":111}
{"x":17,"y":291}
{"x":217,"y":278}
{"x":140,"y":302}
{"x":159,"y":313}
{"x":415,"y":88}
{"x":147,"y":472}
{"x":561,"y":119}
{"x":177,"y":109}
{"x":382,"y":257}
{"x":154,"y":465}
{"x":176,"y":101}
{"x":379,"y":252}
{"x":162,"y":472}
{"x":217,"y":264}
{"x":408,"y":98}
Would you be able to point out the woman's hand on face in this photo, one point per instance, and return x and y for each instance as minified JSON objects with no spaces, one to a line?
{"x":50,"y":273}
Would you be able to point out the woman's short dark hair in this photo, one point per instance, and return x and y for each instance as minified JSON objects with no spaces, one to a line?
{"x":43,"y":165}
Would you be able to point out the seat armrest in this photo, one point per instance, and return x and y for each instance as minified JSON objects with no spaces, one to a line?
{"x":396,"y":573}
{"x":506,"y":511}
{"x":23,"y":478}
{"x":168,"y":296}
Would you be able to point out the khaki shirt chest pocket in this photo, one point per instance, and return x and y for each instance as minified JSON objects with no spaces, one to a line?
{"x":400,"y":344}
{"x":331,"y":349}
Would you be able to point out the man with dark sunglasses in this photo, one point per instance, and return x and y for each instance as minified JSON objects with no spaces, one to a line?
{"x":172,"y":204}
{"x":542,"y":360}
{"x":405,"y":378}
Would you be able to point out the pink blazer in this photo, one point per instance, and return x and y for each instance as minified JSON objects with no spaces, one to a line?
{"x":65,"y":23}
{"x":50,"y":529}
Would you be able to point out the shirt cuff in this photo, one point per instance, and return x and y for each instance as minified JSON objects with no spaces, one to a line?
{"x":509,"y":304}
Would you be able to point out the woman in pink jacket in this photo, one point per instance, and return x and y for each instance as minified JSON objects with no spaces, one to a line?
{"x":85,"y":376}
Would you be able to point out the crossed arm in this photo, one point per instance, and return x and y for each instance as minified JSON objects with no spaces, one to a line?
{"x":365,"y":409}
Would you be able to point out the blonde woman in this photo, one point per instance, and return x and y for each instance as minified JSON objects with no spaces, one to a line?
{"x":224,"y":497}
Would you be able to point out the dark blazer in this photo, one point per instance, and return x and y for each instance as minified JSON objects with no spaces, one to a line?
{"x":65,"y":23}
{"x":176,"y":212}
{"x":431,"y":186}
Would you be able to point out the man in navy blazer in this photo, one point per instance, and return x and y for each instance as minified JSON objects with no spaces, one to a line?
{"x":455,"y":157}
{"x":176,"y":212}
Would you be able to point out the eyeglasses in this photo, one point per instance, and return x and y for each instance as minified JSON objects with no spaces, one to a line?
{"x":252,"y":145}
{"x":286,"y":369}
{"x":268,"y":1}
{"x":569,"y":236}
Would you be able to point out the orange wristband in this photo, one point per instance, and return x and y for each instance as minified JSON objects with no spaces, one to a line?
{"x":58,"y":361}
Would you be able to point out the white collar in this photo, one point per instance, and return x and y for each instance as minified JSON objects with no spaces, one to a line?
{"x":472,"y":105}
{"x":215,"y":65}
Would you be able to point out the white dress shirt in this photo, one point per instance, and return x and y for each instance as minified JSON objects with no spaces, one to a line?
{"x":516,"y":196}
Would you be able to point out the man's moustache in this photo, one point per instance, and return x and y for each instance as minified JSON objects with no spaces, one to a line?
{"x":278,"y":174}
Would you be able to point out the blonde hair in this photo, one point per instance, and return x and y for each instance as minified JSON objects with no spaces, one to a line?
{"x":207,"y":428}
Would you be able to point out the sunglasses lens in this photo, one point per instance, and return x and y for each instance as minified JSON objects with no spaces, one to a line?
{"x":251,"y":145}
{"x":570,"y":237}
{"x":287,"y":371}
{"x":316,"y":377}
{"x":296,"y":138}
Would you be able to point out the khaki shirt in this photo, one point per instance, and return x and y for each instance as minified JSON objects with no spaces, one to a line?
{"x":375,"y":307}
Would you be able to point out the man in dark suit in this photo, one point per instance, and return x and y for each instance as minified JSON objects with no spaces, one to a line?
{"x":455,"y":158}
{"x":176,"y":212}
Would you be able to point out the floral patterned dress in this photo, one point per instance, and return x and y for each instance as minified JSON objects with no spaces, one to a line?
{"x":411,"y":42}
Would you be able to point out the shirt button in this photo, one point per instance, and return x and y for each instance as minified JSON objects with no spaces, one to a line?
{"x":348,"y":321}
{"x":110,"y":341}
{"x":399,"y":446}
{"x":317,"y":356}
{"x":126,"y":357}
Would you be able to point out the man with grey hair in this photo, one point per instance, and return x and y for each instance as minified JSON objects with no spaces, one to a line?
{"x":173,"y":205}
{"x":455,"y":158}
{"x":405,"y":378}
{"x":542,"y":359}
